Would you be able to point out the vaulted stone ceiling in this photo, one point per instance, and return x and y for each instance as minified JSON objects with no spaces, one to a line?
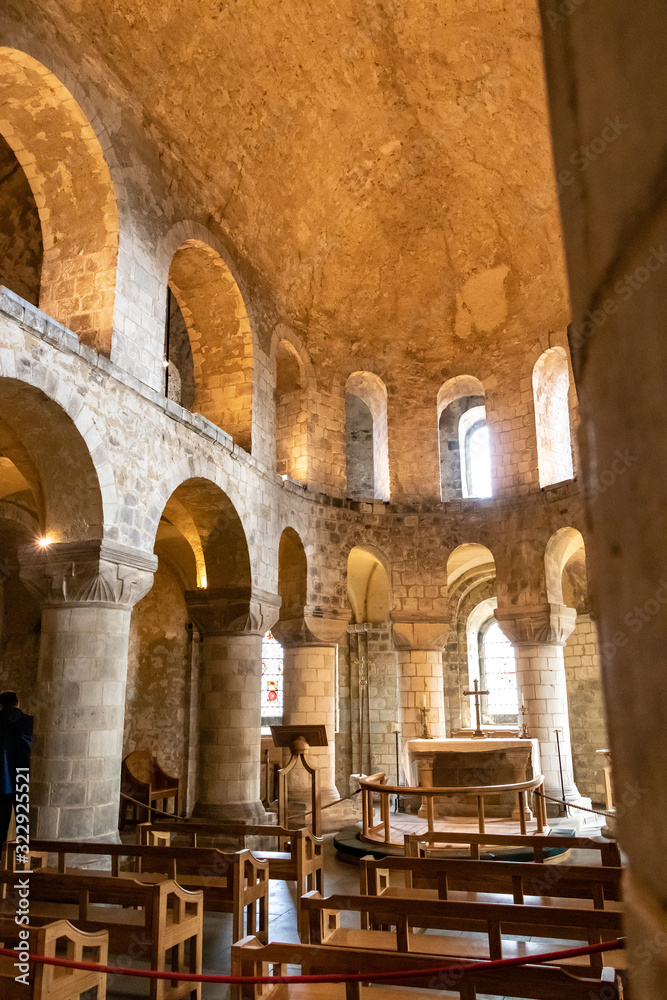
{"x":382,"y":169}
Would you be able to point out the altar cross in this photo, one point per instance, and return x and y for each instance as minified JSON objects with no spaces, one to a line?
{"x":477,"y":694}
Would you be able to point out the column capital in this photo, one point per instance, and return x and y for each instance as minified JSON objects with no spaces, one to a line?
{"x":305,"y":625}
{"x":420,"y":633}
{"x":231,"y":610}
{"x":545,"y":624}
{"x":98,"y":572}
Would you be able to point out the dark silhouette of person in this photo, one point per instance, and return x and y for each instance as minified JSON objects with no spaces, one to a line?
{"x":15,"y":744}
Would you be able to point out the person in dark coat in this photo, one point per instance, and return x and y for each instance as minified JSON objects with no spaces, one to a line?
{"x":15,"y":744}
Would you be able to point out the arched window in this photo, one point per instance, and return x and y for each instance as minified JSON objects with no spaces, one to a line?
{"x":366,"y":437}
{"x":475,"y":453}
{"x":464,"y":439}
{"x":497,"y":665}
{"x":272,"y":681}
{"x":291,"y":414}
{"x":551,"y":386}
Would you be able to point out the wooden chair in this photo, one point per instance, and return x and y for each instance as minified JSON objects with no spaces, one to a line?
{"x":161,"y":924}
{"x":47,"y":982}
{"x":143,"y":779}
{"x":534,"y":982}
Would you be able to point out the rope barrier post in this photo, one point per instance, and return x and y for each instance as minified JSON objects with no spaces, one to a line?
{"x":560,"y":765}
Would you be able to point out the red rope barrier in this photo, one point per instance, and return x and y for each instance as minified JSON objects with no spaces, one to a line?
{"x":352,"y":977}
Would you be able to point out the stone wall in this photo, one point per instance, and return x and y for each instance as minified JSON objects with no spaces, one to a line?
{"x":157,"y":705}
{"x":587,"y":718}
{"x":20,"y":231}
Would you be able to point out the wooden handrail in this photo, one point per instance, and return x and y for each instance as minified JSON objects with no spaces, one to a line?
{"x":377,"y":784}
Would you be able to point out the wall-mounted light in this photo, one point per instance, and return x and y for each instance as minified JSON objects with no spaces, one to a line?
{"x":43,"y":542}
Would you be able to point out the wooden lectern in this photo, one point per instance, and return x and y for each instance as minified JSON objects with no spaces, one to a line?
{"x":300,"y":739}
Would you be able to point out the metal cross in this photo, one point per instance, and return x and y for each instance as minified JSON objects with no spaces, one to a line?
{"x":479,"y":732}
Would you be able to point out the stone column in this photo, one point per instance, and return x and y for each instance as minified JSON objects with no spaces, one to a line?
{"x":310,"y":642}
{"x":420,"y":675}
{"x":87,"y":591}
{"x":538,"y":635}
{"x":232,"y":624}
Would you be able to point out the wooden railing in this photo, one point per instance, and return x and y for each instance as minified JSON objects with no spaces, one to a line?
{"x":376,"y":784}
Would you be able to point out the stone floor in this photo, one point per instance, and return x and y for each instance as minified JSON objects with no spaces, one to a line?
{"x":340,"y":877}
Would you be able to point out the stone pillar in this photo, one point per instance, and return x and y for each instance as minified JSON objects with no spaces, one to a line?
{"x":87,"y":591}
{"x":231,"y":624}
{"x":538,"y":635}
{"x":420,"y":675}
{"x":310,"y":645}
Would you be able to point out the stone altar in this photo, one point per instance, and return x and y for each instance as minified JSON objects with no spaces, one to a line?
{"x":461,"y":761}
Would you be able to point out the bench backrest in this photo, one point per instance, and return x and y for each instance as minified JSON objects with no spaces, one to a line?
{"x":594,"y":926}
{"x":518,"y":878}
{"x":52,"y":983}
{"x":534,"y":982}
{"x":416,"y":844}
{"x":140,"y":765}
{"x":290,"y":841}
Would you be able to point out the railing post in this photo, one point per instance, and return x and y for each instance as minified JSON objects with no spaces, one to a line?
{"x":480,"y":813}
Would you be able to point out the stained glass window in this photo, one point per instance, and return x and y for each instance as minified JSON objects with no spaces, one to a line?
{"x":272,"y":681}
{"x":498,"y":666}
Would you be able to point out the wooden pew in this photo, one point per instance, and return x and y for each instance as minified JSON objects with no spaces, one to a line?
{"x":299,"y":857}
{"x":161,"y":924}
{"x":485,"y":922}
{"x":533,"y":982}
{"x":143,"y":779}
{"x":423,"y":844}
{"x":447,"y":878}
{"x":231,"y":883}
{"x":46,"y":982}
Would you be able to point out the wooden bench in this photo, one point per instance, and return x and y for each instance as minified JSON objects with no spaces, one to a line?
{"x":144,"y":779}
{"x":448,"y":878}
{"x":485,"y":922}
{"x":423,"y":844}
{"x":47,"y":982}
{"x":161,"y":924}
{"x":231,"y":883}
{"x":299,"y":857}
{"x":534,"y":982}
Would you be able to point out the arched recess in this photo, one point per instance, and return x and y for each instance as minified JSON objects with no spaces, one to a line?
{"x":565,"y":551}
{"x":367,"y":586}
{"x":292,"y":413}
{"x":551,"y":390}
{"x":50,"y":468}
{"x":568,"y":584}
{"x":471,"y":584}
{"x":366,"y":437}
{"x":64,"y":165}
{"x":463,"y":436}
{"x":215,"y":318}
{"x":200,"y":544}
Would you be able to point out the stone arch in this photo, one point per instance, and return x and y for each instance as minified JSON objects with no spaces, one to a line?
{"x":564,"y":549}
{"x":201,"y":535}
{"x":461,"y":408}
{"x":551,"y":395}
{"x":65,"y":166}
{"x":292,"y":572}
{"x":368,"y":587}
{"x":371,"y":391}
{"x":220,"y":335}
{"x":294,"y":386}
{"x":61,"y":457}
{"x":469,"y":561}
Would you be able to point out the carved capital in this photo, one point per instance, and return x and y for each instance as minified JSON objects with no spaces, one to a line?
{"x":422,"y":634}
{"x":308,"y":626}
{"x":548,"y":624}
{"x":80,"y":574}
{"x":232,"y":610}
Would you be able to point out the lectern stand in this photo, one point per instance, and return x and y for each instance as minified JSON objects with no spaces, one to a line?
{"x":300,"y":739}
